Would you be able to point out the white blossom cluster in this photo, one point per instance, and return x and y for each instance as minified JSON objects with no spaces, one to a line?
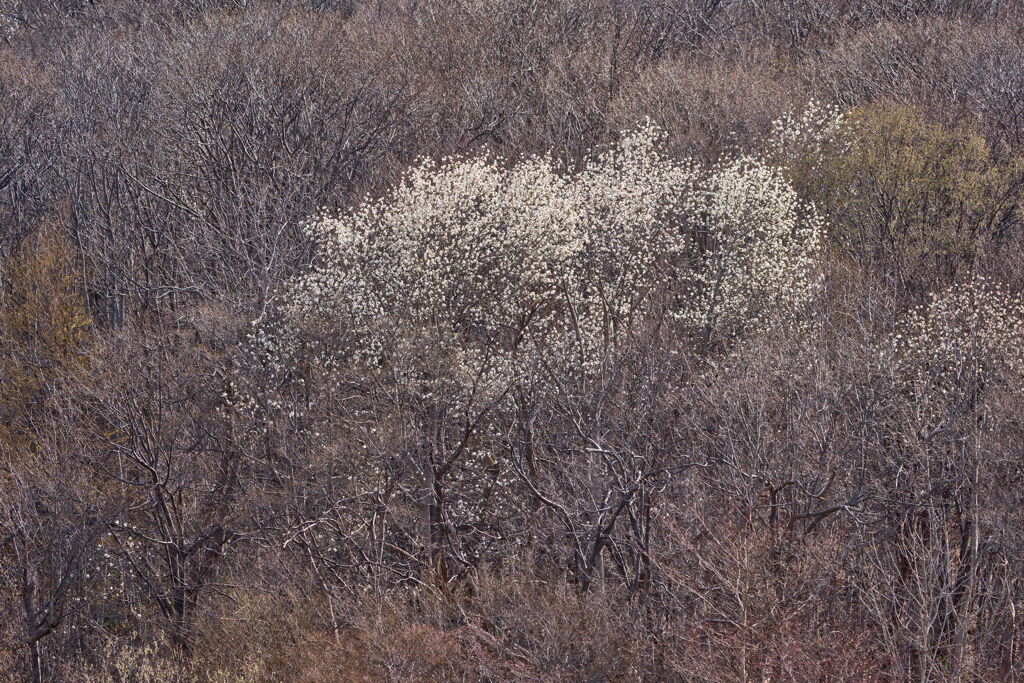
{"x":967,"y":336}
{"x":473,"y":270}
{"x":809,"y":135}
{"x":758,"y":262}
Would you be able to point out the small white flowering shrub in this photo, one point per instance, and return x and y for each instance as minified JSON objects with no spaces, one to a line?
{"x":475,"y":270}
{"x":809,"y":137}
{"x":966,"y":338}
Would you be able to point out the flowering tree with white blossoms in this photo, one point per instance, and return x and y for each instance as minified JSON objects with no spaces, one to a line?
{"x":486,"y":258}
{"x":965,"y":338}
{"x":758,"y":259}
{"x":953,"y":373}
{"x":475,"y":277}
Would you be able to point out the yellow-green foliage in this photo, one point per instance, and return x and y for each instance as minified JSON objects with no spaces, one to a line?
{"x":43,"y":328}
{"x":913,"y":197}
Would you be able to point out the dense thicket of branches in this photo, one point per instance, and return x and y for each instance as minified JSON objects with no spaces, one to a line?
{"x":518,"y":340}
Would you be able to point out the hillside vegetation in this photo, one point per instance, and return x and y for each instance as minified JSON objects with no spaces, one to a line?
{"x":511,"y":340}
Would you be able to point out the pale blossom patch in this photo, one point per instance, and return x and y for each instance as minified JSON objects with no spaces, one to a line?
{"x":474,"y":271}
